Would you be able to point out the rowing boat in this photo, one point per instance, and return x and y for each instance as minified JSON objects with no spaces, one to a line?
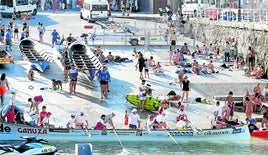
{"x":260,"y":133}
{"x":34,"y":52}
{"x":15,"y":131}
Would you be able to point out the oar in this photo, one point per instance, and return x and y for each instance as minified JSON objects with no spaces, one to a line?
{"x":124,"y":150}
{"x":171,"y":136}
{"x":89,"y":135}
{"x":196,"y":129}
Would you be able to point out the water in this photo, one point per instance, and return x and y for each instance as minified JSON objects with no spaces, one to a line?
{"x":254,"y":146}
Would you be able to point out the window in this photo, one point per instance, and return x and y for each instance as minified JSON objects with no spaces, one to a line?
{"x":8,"y":3}
{"x":99,"y":8}
{"x":191,"y":1}
{"x":22,"y":2}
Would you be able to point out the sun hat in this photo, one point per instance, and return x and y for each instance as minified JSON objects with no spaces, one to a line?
{"x":134,"y":110}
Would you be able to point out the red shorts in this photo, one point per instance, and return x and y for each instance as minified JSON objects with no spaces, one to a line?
{"x":2,"y":90}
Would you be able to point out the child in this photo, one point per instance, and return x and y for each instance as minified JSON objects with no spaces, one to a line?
{"x":31,"y":74}
{"x":252,"y":126}
{"x":146,"y":71}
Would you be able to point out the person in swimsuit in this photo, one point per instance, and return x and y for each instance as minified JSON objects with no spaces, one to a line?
{"x":141,"y":64}
{"x":250,"y":59}
{"x":249,"y":108}
{"x":185,"y":89}
{"x":257,"y":90}
{"x":3,"y":86}
{"x":228,"y":102}
{"x":264,"y":112}
{"x":73,"y":74}
{"x":171,"y":52}
{"x":173,"y":39}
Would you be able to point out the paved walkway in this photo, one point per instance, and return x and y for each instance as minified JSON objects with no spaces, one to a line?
{"x":125,"y":79}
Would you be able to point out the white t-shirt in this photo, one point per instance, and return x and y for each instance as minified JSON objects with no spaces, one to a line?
{"x":47,"y":121}
{"x":179,"y":113}
{"x":81,"y":119}
{"x":134,"y":118}
{"x":149,"y":124}
{"x":71,"y":123}
{"x":108,"y":117}
{"x":180,"y":124}
{"x":160,"y":118}
{"x":142,"y":89}
{"x":219,"y":110}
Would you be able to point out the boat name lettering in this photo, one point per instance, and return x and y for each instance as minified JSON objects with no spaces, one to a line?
{"x":46,"y":150}
{"x":181,"y":133}
{"x":32,"y":130}
{"x":223,"y":132}
{"x":126,"y":132}
{"x":4,"y":128}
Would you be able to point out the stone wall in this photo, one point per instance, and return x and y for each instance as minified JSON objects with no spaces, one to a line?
{"x":212,"y":32}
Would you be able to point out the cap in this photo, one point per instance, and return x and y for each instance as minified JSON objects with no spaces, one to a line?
{"x":151,"y":116}
{"x":182,"y":106}
{"x":49,"y":113}
{"x":252,"y":120}
{"x":82,"y":111}
{"x":134,"y":110}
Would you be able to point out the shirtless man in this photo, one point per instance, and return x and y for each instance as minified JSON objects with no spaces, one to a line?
{"x":257,"y":90}
{"x":228,"y":102}
{"x":173,"y":39}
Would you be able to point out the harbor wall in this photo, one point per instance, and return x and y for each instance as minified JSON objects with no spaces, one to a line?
{"x":246,"y":34}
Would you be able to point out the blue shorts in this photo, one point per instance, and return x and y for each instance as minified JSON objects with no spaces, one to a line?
{"x":132,"y":126}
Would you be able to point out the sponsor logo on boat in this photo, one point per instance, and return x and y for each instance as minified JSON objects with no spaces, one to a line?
{"x":4,"y":128}
{"x":32,"y":130}
{"x":181,"y":133}
{"x":217,"y":132}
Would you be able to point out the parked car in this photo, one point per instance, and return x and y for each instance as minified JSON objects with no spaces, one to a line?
{"x":228,"y":15}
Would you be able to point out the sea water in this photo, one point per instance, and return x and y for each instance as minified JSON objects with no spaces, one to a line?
{"x":254,"y":146}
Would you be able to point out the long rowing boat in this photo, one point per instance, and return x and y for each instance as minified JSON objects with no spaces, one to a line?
{"x":15,"y":131}
{"x":260,"y":133}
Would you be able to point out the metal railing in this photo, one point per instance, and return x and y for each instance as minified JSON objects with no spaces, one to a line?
{"x":231,"y":14}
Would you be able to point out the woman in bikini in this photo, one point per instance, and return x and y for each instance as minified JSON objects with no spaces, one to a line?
{"x":3,"y":86}
{"x":228,"y":102}
{"x":249,"y":108}
{"x":171,"y":52}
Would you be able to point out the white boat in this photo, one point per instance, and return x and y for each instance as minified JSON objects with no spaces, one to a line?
{"x":15,"y":131}
{"x":34,"y":52}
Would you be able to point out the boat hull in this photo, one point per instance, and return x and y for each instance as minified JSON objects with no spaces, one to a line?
{"x":259,"y":133}
{"x":14,"y":132}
